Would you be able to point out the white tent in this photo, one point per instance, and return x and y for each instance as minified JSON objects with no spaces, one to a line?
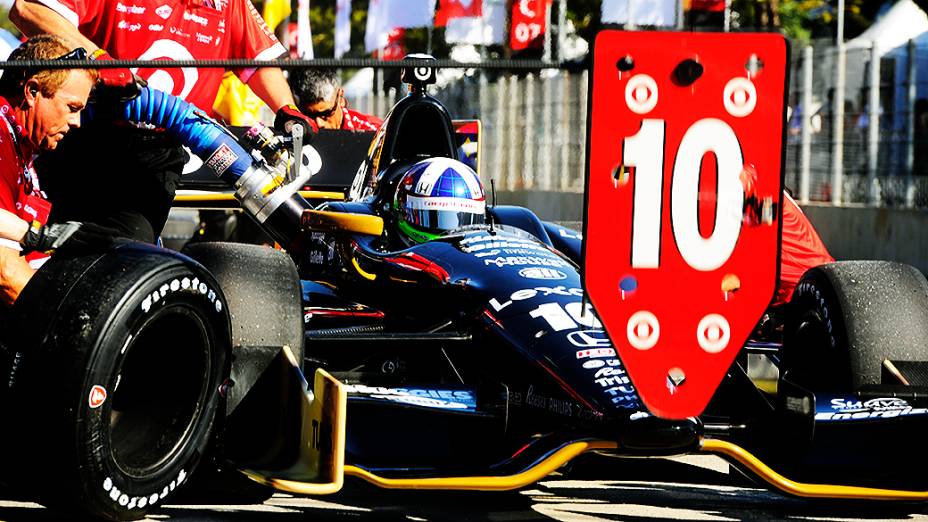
{"x":903,"y":22}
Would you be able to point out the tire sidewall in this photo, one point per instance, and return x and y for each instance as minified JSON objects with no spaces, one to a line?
{"x":78,"y":337}
{"x":823,"y":365}
{"x":105,"y":482}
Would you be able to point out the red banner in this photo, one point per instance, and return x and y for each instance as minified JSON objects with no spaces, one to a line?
{"x":713,"y":6}
{"x":528,"y":24}
{"x":449,"y":9}
{"x":396,"y":45}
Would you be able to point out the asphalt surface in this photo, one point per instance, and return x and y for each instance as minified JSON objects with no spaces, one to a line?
{"x":694,"y":488}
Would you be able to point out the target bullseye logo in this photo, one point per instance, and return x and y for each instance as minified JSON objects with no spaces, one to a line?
{"x":423,"y":73}
{"x":641,"y":94}
{"x":739,"y":97}
{"x":713,"y":333}
{"x":643,"y":330}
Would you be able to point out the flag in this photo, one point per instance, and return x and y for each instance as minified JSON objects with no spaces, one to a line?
{"x":528,"y":24}
{"x":236,"y":103}
{"x":488,"y":29}
{"x":275,"y":12}
{"x":643,"y":12}
{"x":304,"y":38}
{"x":450,"y":9}
{"x":712,"y":6}
{"x":396,"y":45}
{"x":385,"y":15}
{"x":342,"y":27}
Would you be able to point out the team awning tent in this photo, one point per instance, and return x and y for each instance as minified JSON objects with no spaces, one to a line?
{"x":903,"y":22}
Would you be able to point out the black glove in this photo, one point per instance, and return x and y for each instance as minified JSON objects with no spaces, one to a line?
{"x":288,"y":115}
{"x":115,"y":84}
{"x":71,"y":235}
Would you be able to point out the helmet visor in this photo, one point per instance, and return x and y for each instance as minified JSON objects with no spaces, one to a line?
{"x":436,"y":214}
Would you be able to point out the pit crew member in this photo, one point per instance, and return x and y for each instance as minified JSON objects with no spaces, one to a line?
{"x":133,"y":184}
{"x":37,"y":109}
{"x":321,"y":97}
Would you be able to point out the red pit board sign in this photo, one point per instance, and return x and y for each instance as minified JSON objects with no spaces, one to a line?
{"x":683,"y":203}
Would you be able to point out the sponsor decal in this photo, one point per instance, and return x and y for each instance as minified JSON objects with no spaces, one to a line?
{"x":526,"y":260}
{"x":589,"y":339}
{"x":184,"y":284}
{"x":199,"y":20}
{"x":126,"y":26}
{"x":204,"y":38}
{"x":570,"y":234}
{"x":155,"y":27}
{"x":221,"y":159}
{"x":124,"y":500}
{"x":447,"y":399}
{"x":131,"y":9}
{"x":593,"y":364}
{"x":596,"y":352}
{"x":164,"y":11}
{"x":97,"y":396}
{"x":222,"y":27}
{"x":529,"y":293}
{"x":844,"y":409}
{"x":558,"y":406}
{"x":536,"y":272}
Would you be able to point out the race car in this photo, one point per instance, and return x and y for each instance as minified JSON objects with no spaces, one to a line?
{"x":452,"y":343}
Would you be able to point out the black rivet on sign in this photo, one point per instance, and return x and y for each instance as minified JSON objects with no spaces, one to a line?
{"x":625,"y":63}
{"x":687,"y":72}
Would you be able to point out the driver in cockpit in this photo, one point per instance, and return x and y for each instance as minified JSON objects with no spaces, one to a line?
{"x":435,"y":196}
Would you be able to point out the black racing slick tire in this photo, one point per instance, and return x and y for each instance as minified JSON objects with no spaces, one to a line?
{"x":117,"y":365}
{"x":846,"y":318}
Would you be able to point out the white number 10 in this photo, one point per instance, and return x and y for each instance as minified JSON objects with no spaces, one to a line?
{"x":645,"y":152}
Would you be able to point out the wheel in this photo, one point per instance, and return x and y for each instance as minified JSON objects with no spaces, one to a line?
{"x":265,"y":302}
{"x":845,"y":318}
{"x":115,"y":379}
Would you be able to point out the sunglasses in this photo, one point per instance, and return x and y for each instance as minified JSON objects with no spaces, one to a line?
{"x":326,"y":114}
{"x":77,"y":54}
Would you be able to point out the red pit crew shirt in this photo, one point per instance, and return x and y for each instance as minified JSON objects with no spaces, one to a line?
{"x":175,"y":30}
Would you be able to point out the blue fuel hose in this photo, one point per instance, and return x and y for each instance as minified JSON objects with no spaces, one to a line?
{"x":219,"y":150}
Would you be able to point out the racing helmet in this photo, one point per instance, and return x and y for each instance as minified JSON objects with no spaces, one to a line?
{"x":437,"y":195}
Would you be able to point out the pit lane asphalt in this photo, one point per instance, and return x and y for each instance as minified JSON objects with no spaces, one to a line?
{"x":691,"y":488}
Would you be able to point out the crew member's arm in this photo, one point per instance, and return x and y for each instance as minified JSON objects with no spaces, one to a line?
{"x":32,"y":18}
{"x":14,"y":270}
{"x":269,"y":84}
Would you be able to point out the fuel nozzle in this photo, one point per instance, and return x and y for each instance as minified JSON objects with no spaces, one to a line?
{"x":262,"y":139}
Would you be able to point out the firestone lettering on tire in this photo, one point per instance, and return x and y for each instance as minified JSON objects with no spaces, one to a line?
{"x":124,"y":500}
{"x":182,"y":285}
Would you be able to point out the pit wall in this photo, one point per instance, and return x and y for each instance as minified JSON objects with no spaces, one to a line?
{"x":849,"y":232}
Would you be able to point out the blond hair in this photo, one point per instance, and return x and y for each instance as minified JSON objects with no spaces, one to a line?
{"x":39,"y":47}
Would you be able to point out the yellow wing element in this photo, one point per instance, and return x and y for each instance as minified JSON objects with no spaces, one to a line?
{"x":488,"y":483}
{"x":754,"y":465}
{"x":227,"y":199}
{"x":325,"y":221}
{"x":320,"y":467}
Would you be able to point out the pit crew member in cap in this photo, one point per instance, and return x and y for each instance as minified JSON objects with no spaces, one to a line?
{"x":131,"y":188}
{"x":38,"y":107}
{"x":321,"y":97}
